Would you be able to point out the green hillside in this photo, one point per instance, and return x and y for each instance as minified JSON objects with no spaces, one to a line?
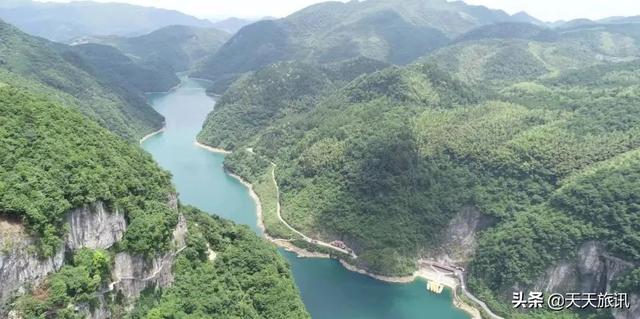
{"x":511,"y":53}
{"x":176,"y":48}
{"x":512,"y":30}
{"x":248,"y":278}
{"x":56,"y":160}
{"x":396,"y":32}
{"x":35,"y":64}
{"x":118,"y":70}
{"x":353,"y":157}
{"x":257,"y":100}
{"x":385,"y":162}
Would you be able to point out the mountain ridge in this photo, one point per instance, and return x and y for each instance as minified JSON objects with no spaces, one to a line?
{"x":390,"y":31}
{"x":62,"y":22}
{"x":36,"y":64}
{"x":178,"y":46}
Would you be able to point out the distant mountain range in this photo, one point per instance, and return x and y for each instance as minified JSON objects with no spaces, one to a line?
{"x":390,"y":31}
{"x":394,"y":31}
{"x":406,"y":129}
{"x":63,"y":22}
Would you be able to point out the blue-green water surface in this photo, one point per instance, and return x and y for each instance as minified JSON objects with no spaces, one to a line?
{"x":328,"y":290}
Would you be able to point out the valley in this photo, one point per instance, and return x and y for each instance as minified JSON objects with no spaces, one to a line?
{"x":358,"y":159}
{"x":202,"y":181}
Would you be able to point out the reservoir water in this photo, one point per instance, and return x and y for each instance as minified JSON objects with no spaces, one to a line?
{"x":328,"y":290}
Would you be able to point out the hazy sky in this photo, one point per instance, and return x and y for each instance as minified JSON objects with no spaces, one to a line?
{"x":549,"y":10}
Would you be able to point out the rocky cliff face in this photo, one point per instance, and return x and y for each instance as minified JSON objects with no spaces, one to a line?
{"x":19,"y":264}
{"x":132,"y":274}
{"x":94,"y":227}
{"x":460,"y":237}
{"x":592,"y":270}
{"x":91,"y":226}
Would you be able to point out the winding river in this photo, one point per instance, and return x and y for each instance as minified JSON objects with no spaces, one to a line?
{"x":328,"y":290}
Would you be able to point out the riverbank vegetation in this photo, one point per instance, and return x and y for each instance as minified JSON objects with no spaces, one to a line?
{"x":258,"y":172}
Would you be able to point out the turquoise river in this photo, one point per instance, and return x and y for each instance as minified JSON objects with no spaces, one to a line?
{"x":328,"y":290}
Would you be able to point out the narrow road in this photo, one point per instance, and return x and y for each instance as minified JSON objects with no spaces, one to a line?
{"x":473,"y":298}
{"x":153,"y":276}
{"x":305,"y":237}
{"x":459,"y":274}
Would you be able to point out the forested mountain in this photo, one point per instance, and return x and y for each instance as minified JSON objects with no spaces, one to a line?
{"x":397,"y":31}
{"x":63,"y":22}
{"x":510,"y":30}
{"x":524,"y":17}
{"x":56,"y":163}
{"x":518,"y":52}
{"x":176,"y":48}
{"x":232,"y":25}
{"x":36,"y":64}
{"x":284,"y":89}
{"x":247,"y":279}
{"x":532,"y":131}
{"x":119,"y":70}
{"x":403,"y":129}
{"x":55,"y":160}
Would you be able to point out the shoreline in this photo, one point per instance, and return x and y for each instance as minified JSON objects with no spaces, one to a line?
{"x":256,"y":200}
{"x":389,"y":279}
{"x":421,"y":273}
{"x":166,"y":92}
{"x":152,"y":134}
{"x":200,"y":79}
{"x":282,"y":243}
{"x":216,"y":150}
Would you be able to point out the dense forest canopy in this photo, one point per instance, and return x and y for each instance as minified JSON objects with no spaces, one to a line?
{"x":120,"y":71}
{"x":384,"y":122}
{"x":247,"y":278}
{"x":55,"y":159}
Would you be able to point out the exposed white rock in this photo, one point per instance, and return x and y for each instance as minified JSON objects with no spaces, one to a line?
{"x":460,"y":239}
{"x":94,"y":227}
{"x":91,"y":226}
{"x":592,"y":270}
{"x":132,"y":274}
{"x":135,"y":273}
{"x":19,"y":263}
